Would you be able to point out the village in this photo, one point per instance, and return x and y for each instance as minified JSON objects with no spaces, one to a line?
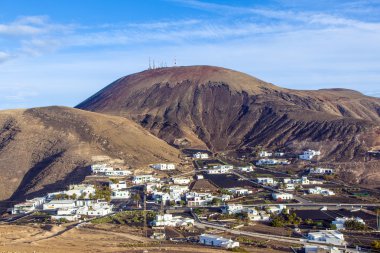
{"x":208,"y":201}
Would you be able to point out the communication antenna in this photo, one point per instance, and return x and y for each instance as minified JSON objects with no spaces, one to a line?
{"x":175,"y":61}
{"x":154,"y":66}
{"x":150,"y":66}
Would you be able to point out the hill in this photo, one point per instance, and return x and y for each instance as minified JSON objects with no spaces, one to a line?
{"x":226,"y":110}
{"x":45,"y":149}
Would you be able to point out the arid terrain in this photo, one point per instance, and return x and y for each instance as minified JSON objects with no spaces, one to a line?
{"x":225,"y":110}
{"x":40,"y":238}
{"x":45,"y":149}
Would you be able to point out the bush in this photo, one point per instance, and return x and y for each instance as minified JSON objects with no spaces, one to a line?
{"x":354,"y":225}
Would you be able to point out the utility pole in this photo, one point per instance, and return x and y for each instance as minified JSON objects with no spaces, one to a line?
{"x":145,"y":221}
{"x":378,"y":219}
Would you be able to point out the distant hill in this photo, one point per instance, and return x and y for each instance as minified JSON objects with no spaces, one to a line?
{"x":227,"y":110}
{"x":45,"y":149}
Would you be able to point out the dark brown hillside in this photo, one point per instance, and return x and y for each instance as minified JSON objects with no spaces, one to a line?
{"x":227,"y":110}
{"x":44,"y":149}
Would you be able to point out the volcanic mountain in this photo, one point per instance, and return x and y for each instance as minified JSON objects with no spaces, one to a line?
{"x":45,"y":149}
{"x":226,"y":110}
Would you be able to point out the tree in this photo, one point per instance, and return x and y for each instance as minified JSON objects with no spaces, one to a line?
{"x":73,"y":196}
{"x":354,"y":225}
{"x":375,"y":244}
{"x":137,"y":198}
{"x":216,"y":202}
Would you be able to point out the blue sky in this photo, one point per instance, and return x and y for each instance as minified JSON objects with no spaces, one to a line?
{"x":61,"y":52}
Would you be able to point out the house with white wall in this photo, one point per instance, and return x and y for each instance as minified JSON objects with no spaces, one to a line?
{"x":282,"y":196}
{"x":321,"y":191}
{"x":217,"y":241}
{"x":200,"y":155}
{"x":265,"y":153}
{"x":163,"y":166}
{"x":333,"y":237}
{"x":265,"y":180}
{"x":339,"y":222}
{"x":181,"y":180}
{"x":28,"y":206}
{"x":142,"y":179}
{"x":309,"y":154}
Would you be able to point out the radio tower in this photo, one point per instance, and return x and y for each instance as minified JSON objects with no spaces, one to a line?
{"x":175,"y":62}
{"x":150,"y":66}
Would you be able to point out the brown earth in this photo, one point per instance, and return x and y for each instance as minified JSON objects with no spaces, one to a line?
{"x":45,"y":149}
{"x":225,"y":110}
{"x":54,"y":239}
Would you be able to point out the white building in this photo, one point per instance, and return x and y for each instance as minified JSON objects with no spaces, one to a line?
{"x":265,"y":154}
{"x":199,"y":176}
{"x":239,"y":191}
{"x":279,"y":154}
{"x":163,"y":166}
{"x":233,"y":208}
{"x":198,"y":199}
{"x":246,"y":169}
{"x":265,"y":180}
{"x":169,"y":220}
{"x":327,"y":236}
{"x":118,"y":185}
{"x":309,"y":154}
{"x":118,"y":173}
{"x":340,"y":222}
{"x":321,"y":171}
{"x":28,"y":206}
{"x":99,"y":209}
{"x":181,"y":180}
{"x":276,"y":209}
{"x":220,"y":169}
{"x":272,"y":162}
{"x":58,"y":204}
{"x":141,"y":179}
{"x":255,"y":215}
{"x":282,"y":196}
{"x":321,"y":249}
{"x":217,"y":241}
{"x":321,"y":191}
{"x":120,"y":194}
{"x":80,"y":190}
{"x":200,"y":155}
{"x":100,"y":168}
{"x":297,"y":181}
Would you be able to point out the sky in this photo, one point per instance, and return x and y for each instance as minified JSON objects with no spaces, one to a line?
{"x":61,"y":52}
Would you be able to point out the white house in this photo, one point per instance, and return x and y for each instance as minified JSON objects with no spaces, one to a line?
{"x":100,"y":168}
{"x":327,"y":236}
{"x":246,"y":169}
{"x":181,"y":180}
{"x":169,"y":220}
{"x":320,"y":171}
{"x":321,"y":191}
{"x":118,"y":185}
{"x":141,"y":179}
{"x":220,"y":169}
{"x":321,"y":249}
{"x":309,"y":154}
{"x":282,"y":196}
{"x":340,"y":222}
{"x":276,"y":209}
{"x":265,"y":154}
{"x":28,"y":206}
{"x":255,"y":215}
{"x":163,"y":166}
{"x":118,"y":173}
{"x":120,"y":194}
{"x":99,"y":209}
{"x":217,"y":241}
{"x":199,"y":176}
{"x":265,"y":180}
{"x":232,"y":208}
{"x":272,"y":162}
{"x":239,"y":191}
{"x":57,"y":204}
{"x":279,"y":154}
{"x":153,"y":186}
{"x":80,"y":190}
{"x":200,"y":155}
{"x":198,"y":199}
